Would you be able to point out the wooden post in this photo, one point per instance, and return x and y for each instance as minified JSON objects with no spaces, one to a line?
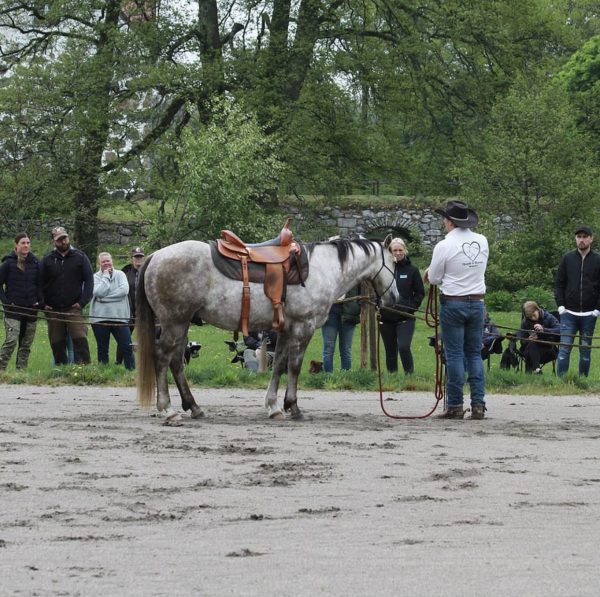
{"x":368,"y":331}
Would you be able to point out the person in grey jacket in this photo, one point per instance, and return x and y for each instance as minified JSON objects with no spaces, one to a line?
{"x":109,"y":311}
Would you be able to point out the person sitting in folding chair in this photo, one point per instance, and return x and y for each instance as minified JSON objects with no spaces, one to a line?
{"x":491,"y":341}
{"x":538,"y":328}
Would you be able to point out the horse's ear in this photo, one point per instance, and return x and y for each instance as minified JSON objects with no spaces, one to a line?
{"x":387,"y":240}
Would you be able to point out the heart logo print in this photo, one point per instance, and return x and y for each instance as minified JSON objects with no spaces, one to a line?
{"x":471,"y":250}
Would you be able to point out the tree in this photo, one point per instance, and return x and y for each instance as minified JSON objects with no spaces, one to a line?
{"x":228,"y":176}
{"x":348,"y":89}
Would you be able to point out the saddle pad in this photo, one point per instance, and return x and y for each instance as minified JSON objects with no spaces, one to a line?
{"x":231,"y":268}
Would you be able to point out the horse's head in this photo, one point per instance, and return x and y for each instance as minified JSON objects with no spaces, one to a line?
{"x":384,"y":282}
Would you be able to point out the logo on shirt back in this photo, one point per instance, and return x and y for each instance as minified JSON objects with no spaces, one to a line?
{"x":471,"y":250}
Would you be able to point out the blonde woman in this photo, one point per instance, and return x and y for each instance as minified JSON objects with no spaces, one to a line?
{"x":109,"y":311}
{"x":398,"y":325}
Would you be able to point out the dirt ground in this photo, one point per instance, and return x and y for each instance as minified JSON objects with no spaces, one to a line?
{"x":99,"y":498}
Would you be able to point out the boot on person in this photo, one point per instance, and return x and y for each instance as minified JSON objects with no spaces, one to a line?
{"x":453,"y":412}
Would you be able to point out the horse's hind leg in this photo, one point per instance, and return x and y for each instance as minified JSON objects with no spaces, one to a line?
{"x":178,"y":371}
{"x":167,"y":344}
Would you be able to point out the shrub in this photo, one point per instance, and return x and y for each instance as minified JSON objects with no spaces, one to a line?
{"x":541,"y":296}
{"x":500,"y":300}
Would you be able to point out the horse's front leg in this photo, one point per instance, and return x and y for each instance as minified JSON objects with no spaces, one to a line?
{"x":297,"y":348}
{"x":178,"y":371}
{"x":279,"y":366}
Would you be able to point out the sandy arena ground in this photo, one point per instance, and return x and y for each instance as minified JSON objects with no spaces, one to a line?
{"x":99,"y":498}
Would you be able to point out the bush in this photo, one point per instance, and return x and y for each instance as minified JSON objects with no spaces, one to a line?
{"x":542,"y":296}
{"x":500,"y":300}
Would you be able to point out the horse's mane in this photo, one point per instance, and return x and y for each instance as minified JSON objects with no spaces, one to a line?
{"x":345,"y":247}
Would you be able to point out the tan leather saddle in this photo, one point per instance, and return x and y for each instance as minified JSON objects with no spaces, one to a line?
{"x":276,"y":255}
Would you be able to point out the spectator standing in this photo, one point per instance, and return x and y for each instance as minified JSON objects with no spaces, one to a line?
{"x":577,"y":294}
{"x":21,"y":296}
{"x":340,"y":324}
{"x":67,"y":284}
{"x":109,"y":311}
{"x":538,"y":328}
{"x":398,"y":324}
{"x":458,"y":264}
{"x":132,"y":271}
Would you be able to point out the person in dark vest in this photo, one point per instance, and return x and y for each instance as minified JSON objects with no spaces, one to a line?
{"x":132,"y":271}
{"x":21,"y":296}
{"x":398,"y":324}
{"x":67,"y":286}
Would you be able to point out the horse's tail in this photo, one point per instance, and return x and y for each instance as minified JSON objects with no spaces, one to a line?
{"x":146,"y":338}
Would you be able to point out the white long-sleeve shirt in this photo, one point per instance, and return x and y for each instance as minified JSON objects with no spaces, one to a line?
{"x":459,"y":262}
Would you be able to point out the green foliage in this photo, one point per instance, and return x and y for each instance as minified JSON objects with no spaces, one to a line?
{"x":532,"y":161}
{"x":581,"y":77}
{"x":228,"y":177}
{"x":500,"y":300}
{"x":542,"y":296}
{"x":523,"y":259}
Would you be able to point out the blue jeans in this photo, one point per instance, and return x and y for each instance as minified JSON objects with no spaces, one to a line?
{"x":332,"y":328}
{"x":121,"y":334}
{"x":462,"y":329}
{"x":570,"y":325}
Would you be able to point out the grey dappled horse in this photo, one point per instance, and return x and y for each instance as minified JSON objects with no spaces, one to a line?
{"x":181,"y":280}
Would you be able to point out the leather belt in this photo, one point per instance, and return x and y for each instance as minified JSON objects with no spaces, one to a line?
{"x":464,"y":297}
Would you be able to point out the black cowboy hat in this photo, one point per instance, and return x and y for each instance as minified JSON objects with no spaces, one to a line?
{"x":459,"y":213}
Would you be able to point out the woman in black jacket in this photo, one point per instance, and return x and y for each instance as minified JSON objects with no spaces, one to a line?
{"x":398,"y":324}
{"x":21,"y":296}
{"x":540,"y":334}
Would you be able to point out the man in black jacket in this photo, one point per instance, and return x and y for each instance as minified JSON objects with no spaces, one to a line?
{"x":67,"y":285}
{"x":577,"y":296}
{"x":21,"y":296}
{"x":132,"y":271}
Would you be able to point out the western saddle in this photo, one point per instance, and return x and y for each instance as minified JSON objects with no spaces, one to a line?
{"x":276,"y":255}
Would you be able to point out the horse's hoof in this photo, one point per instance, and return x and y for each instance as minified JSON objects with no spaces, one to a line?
{"x":173,"y":421}
{"x":197,"y":414}
{"x":278,"y":416}
{"x":297,"y":415}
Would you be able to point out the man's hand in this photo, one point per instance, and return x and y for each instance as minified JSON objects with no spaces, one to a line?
{"x":561,"y":310}
{"x":75,"y":306}
{"x":426,"y":276}
{"x":596,"y":313}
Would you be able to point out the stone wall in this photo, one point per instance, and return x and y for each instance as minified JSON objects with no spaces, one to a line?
{"x":412,"y":223}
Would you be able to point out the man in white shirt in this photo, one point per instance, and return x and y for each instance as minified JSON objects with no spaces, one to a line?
{"x":458,"y":265}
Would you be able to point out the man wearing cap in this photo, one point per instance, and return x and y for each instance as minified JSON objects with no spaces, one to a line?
{"x":458,"y":265}
{"x":131,"y":271}
{"x":67,"y":285}
{"x":577,"y":294}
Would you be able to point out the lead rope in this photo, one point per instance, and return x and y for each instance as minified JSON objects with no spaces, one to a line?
{"x":432,"y":320}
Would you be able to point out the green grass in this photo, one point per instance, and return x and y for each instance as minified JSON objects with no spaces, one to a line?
{"x":214,"y":369}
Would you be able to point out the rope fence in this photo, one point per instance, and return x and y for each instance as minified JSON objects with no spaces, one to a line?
{"x":403,"y":310}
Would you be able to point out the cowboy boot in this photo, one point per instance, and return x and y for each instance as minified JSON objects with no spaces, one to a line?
{"x":453,"y":412}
